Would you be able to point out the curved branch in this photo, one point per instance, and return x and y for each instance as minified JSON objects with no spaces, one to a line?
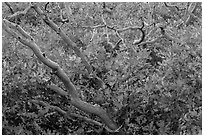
{"x":66,"y":114}
{"x":75,"y":100}
{"x":84,"y":105}
{"x":16,"y":26}
{"x":20,"y":12}
{"x":9,"y":6}
{"x":68,"y":41}
{"x":142,"y":37}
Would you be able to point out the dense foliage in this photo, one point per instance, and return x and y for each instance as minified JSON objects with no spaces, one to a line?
{"x":154,"y":88}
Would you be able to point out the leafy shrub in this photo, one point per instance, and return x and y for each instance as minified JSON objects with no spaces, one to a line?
{"x":162,"y":93}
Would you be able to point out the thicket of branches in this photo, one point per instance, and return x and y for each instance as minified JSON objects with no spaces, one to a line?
{"x":102,"y":68}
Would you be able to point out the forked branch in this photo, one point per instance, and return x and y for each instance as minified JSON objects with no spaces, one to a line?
{"x":75,"y":100}
{"x":69,"y":43}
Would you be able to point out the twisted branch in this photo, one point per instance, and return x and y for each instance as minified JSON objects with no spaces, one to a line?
{"x":75,"y":100}
{"x":69,"y":43}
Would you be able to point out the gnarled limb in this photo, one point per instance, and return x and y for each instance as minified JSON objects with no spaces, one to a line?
{"x":75,"y":100}
{"x":69,"y":43}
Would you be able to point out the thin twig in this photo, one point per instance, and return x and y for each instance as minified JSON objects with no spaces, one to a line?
{"x":20,"y":12}
{"x":9,"y":6}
